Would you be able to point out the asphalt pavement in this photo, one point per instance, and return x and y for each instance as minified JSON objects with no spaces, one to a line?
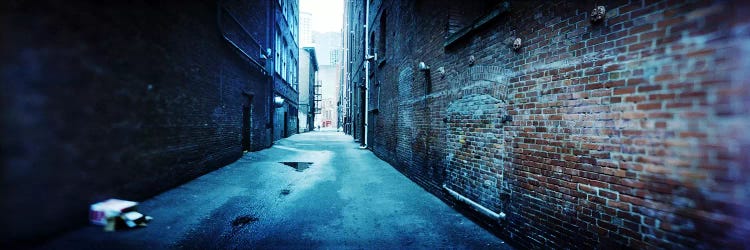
{"x":337,"y":196}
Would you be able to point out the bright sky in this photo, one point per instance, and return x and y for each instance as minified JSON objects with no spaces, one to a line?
{"x":327,"y":15}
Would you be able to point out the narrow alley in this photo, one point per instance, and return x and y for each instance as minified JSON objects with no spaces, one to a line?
{"x":347,"y":197}
{"x":375,"y":124}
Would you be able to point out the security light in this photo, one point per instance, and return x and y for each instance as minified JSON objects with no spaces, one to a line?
{"x":598,"y":14}
{"x":423,"y":66}
{"x":517,"y":44}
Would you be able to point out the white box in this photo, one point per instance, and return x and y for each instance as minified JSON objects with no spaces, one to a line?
{"x":109,"y":209}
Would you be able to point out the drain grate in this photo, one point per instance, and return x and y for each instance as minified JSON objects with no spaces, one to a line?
{"x":243,"y":220}
{"x":299,"y":166}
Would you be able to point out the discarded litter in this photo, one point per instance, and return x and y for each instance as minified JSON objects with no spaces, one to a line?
{"x":299,"y":166}
{"x":102,"y":211}
{"x":117,"y":214}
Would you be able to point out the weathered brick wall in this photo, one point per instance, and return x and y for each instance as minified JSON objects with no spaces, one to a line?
{"x":475,"y":148}
{"x":356,"y":54}
{"x":629,"y":132}
{"x":116,"y":99}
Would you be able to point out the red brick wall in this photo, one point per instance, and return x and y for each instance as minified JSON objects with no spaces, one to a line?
{"x":629,"y":132}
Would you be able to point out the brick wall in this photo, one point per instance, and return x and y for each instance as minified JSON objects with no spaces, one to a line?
{"x":118,"y":99}
{"x":624,"y":133}
{"x":356,"y":77}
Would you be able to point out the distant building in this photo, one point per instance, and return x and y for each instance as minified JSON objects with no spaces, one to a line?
{"x":345,"y":98}
{"x":327,"y":116}
{"x":305,"y":31}
{"x":328,"y":48}
{"x":329,"y":88}
{"x":308,"y":70}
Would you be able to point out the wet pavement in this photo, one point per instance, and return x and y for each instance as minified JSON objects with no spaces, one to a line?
{"x":274,"y":198}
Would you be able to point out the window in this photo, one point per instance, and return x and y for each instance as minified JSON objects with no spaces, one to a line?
{"x":295,"y":75}
{"x":283,"y":8}
{"x":284,"y":61}
{"x":334,"y":56}
{"x":372,"y":44}
{"x":277,"y":59}
{"x":280,"y":54}
{"x":287,"y":64}
{"x":469,"y":16}
{"x":460,"y":16}
{"x":382,"y":36}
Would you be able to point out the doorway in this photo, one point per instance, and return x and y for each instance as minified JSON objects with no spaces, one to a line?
{"x":286,"y":124}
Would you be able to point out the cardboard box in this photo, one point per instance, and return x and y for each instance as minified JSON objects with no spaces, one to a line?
{"x":105,"y":212}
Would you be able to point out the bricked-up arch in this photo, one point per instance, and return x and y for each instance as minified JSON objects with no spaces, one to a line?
{"x":405,"y":117}
{"x":482,"y":79}
{"x":476,"y":148}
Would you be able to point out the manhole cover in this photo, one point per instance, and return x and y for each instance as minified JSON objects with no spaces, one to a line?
{"x":299,"y":166}
{"x":244,"y":220}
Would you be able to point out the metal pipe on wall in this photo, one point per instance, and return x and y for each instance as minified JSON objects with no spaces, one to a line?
{"x":474,"y":205}
{"x":367,"y":73}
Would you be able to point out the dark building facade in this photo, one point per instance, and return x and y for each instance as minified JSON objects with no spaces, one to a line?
{"x":286,"y":62}
{"x":126,"y":99}
{"x":355,"y":74}
{"x":566,"y":131}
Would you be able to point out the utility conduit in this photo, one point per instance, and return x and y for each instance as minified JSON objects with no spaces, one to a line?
{"x":474,"y":205}
{"x":367,"y":71}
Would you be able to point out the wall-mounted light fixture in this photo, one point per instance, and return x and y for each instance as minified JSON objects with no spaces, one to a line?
{"x":598,"y":14}
{"x":278,"y":101}
{"x":426,"y":69}
{"x":517,"y":43}
{"x":265,"y":54}
{"x":423,"y":66}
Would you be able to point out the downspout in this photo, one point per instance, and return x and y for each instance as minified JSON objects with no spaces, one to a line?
{"x":474,"y":205}
{"x":270,"y":66}
{"x":367,"y":71}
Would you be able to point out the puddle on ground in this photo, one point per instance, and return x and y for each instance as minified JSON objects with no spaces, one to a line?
{"x":299,"y":166}
{"x":243,"y":220}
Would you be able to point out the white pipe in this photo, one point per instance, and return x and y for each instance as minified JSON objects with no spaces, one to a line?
{"x":367,"y":68}
{"x":476,"y":206}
